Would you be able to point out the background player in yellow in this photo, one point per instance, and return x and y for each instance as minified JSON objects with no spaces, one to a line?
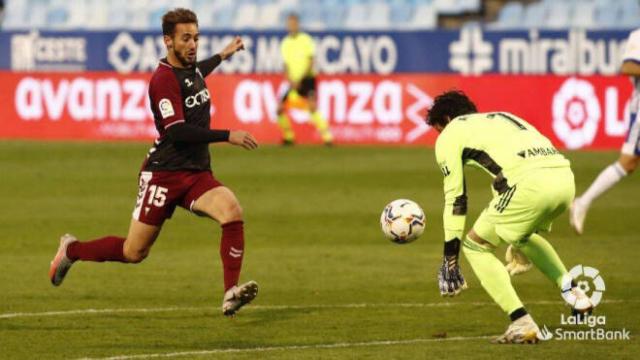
{"x":298,"y":51}
{"x":533,"y":184}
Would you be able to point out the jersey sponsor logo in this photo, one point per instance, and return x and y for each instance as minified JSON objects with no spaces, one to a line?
{"x":188,"y":82}
{"x":166,"y":109}
{"x":198,"y":99}
{"x":538,"y":151}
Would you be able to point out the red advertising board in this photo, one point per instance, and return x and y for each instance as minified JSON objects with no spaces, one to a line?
{"x":586,"y":112}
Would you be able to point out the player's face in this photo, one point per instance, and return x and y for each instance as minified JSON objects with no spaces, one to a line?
{"x":440,"y":127}
{"x":292,"y":24}
{"x":184,"y":43}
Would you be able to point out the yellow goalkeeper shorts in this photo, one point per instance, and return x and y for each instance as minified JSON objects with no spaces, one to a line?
{"x":529,"y":206}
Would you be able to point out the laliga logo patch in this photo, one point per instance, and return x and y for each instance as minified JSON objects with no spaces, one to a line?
{"x":588,"y":280}
{"x":576,"y":113}
{"x":166,"y":109}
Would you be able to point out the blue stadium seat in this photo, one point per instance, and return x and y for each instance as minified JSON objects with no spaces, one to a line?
{"x":630,"y":16}
{"x":510,"y":16}
{"x":583,"y":15}
{"x":379,"y":16}
{"x":557,"y":14}
{"x":246,"y":16}
{"x":425,"y":17}
{"x":534,"y":15}
{"x":223,"y":14}
{"x":311,"y":17}
{"x":334,"y":13}
{"x":357,"y":16}
{"x":401,"y":11}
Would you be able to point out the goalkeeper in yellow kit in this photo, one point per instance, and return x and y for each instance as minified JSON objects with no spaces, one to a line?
{"x":297,"y":51}
{"x":533,"y":184}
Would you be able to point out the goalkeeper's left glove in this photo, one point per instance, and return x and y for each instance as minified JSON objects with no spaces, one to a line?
{"x":450,"y":279}
{"x":517,"y":262}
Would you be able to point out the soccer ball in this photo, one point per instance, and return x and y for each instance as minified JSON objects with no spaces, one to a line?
{"x":402,"y":221}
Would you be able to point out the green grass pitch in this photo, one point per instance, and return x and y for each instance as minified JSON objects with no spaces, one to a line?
{"x":331,"y":286}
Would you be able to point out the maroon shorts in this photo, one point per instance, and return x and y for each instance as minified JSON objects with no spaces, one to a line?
{"x":160,"y":191}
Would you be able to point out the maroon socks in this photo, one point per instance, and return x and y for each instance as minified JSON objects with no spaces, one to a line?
{"x":231,"y":252}
{"x":110,"y":248}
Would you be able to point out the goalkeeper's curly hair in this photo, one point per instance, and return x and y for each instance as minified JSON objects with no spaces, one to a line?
{"x":449,"y":104}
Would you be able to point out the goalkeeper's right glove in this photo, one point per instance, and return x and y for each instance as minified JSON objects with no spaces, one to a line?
{"x":450,"y":279}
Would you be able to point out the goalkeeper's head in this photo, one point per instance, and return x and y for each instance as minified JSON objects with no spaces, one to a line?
{"x":447,"y":106}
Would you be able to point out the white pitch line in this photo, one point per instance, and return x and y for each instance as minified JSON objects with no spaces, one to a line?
{"x":272,"y":307}
{"x":289,"y":348}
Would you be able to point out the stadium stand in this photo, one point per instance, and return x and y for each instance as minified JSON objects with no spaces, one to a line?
{"x":557,"y":14}
{"x":229,"y":14}
{"x":324,"y":14}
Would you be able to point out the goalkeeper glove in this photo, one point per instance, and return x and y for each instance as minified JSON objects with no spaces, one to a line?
{"x":450,"y":279}
{"x":517,"y":262}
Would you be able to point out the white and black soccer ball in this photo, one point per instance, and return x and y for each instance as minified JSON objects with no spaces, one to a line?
{"x":402,"y":221}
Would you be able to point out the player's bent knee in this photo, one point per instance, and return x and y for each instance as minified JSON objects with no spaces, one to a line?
{"x":629,"y":163}
{"x":135,"y":256}
{"x":232,"y":213}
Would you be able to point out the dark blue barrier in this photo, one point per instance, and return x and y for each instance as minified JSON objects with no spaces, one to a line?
{"x":469,"y":51}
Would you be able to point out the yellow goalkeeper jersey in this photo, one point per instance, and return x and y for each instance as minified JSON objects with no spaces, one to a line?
{"x":504,"y":145}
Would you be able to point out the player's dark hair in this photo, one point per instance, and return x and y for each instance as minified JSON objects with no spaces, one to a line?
{"x":175,"y":17}
{"x":293,"y":14}
{"x":449,"y":104}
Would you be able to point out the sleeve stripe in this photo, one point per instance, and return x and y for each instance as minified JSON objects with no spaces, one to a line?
{"x":173,"y":123}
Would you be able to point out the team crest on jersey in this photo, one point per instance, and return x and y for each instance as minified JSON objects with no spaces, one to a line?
{"x":166,"y":109}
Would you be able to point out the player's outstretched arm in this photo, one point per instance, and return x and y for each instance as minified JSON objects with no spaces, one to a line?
{"x":187,"y":133}
{"x":208,"y":65}
{"x":233,"y":47}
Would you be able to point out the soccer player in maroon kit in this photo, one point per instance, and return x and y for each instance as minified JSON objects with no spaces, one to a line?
{"x":177,"y":170}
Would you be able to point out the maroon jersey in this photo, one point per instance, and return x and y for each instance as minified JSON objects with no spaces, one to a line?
{"x":176,"y":96}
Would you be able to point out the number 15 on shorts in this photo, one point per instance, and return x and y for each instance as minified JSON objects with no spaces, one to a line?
{"x":155,"y":195}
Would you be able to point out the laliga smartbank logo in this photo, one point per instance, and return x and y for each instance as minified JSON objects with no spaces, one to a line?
{"x":582,"y":289}
{"x":588,"y":280}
